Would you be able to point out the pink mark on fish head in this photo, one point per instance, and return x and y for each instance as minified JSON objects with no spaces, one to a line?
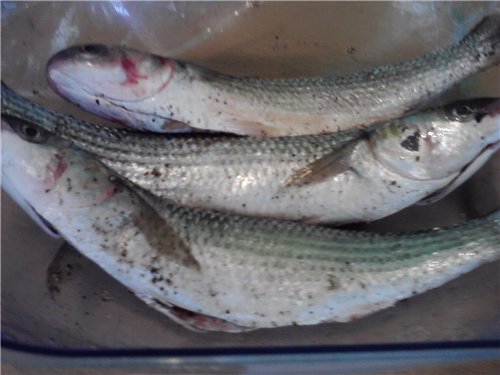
{"x":130,"y":69}
{"x":113,"y":189}
{"x":55,"y":170}
{"x":146,"y":75}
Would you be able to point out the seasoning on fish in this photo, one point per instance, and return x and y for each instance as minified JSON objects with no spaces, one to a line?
{"x":349,"y":176}
{"x":235,"y":272}
{"x":158,"y":94}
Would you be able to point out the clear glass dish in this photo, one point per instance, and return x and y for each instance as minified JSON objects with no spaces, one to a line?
{"x":93,"y":319}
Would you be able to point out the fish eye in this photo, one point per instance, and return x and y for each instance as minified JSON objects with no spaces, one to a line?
{"x":463,"y":110}
{"x":33,"y":133}
{"x":27,"y":131}
{"x":93,"y":49}
{"x":461,"y":113}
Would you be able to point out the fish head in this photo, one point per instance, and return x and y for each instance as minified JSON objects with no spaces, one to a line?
{"x":440,"y":142}
{"x":104,"y":79}
{"x":44,"y":172}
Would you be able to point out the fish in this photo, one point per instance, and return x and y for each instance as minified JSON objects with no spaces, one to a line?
{"x":160,"y":94}
{"x":351,"y":176}
{"x":209,"y":270}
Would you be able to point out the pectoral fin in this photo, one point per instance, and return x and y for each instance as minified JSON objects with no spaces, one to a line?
{"x":157,"y":231}
{"x":325,"y":167}
{"x":464,"y":175}
{"x":61,"y":269}
{"x":162,"y":237}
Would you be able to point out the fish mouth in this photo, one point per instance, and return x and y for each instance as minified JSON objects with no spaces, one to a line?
{"x":491,"y":109}
{"x":43,"y":223}
{"x":495,"y":146}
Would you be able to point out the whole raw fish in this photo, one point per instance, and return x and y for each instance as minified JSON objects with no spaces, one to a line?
{"x":228,"y":272}
{"x":338,"y":178}
{"x":155,"y":93}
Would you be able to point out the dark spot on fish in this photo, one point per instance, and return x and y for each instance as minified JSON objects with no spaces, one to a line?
{"x":276,"y":37}
{"x":350,"y":50}
{"x":331,"y":283}
{"x":411,"y":143}
{"x":393,"y":183}
{"x":155,"y":172}
{"x":68,"y":180}
{"x":417,"y":158}
{"x":97,"y":102}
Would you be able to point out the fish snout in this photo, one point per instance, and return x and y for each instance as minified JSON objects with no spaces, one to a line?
{"x":493,"y":107}
{"x":114,"y":73}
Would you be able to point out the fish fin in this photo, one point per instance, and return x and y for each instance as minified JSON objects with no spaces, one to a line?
{"x":332,"y":164}
{"x":174,"y":126}
{"x":249,"y":128}
{"x":464,"y":175}
{"x":158,"y":232}
{"x":60,"y":269}
{"x":161,"y":236}
{"x":191,"y":320}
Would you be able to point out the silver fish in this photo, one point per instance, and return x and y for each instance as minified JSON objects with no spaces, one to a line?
{"x":159,"y":94}
{"x":338,"y":178}
{"x":244,"y":273}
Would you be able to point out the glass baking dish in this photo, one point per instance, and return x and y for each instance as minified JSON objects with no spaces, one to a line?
{"x":90,"y":318}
